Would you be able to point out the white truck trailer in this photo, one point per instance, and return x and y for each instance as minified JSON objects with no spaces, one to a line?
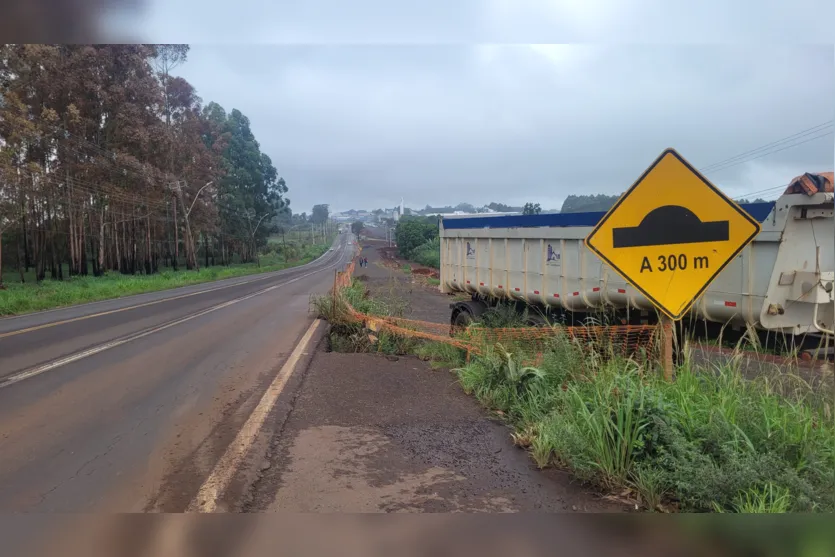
{"x":782,"y":282}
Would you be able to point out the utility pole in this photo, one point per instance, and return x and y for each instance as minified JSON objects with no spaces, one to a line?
{"x":252,"y":232}
{"x":191,"y":259}
{"x":191,"y":255}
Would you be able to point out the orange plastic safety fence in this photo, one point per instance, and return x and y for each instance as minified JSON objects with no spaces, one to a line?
{"x":641,"y":341}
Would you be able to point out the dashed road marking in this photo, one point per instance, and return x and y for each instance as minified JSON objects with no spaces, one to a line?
{"x":32,"y":372}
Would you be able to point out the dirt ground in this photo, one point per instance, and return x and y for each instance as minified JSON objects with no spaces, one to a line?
{"x":387,"y":281}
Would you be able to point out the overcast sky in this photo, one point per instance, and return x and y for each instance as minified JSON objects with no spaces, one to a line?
{"x":360,"y":125}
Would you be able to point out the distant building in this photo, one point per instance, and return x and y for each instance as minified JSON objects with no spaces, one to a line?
{"x":465,"y":214}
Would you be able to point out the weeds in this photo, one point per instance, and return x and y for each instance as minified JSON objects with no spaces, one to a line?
{"x":650,"y":484}
{"x":768,"y":499}
{"x":441,"y":354}
{"x":709,"y":441}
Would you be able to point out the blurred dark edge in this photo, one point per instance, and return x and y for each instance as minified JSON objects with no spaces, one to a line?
{"x":518,"y":535}
{"x":62,"y":21}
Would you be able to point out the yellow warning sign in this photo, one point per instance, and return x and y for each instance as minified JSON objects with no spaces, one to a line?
{"x":672,"y":233}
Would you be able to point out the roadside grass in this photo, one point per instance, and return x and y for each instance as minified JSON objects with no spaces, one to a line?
{"x":20,"y":298}
{"x":711,"y":441}
{"x":433,"y":281}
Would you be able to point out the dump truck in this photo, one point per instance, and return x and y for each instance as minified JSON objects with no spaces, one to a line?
{"x":782,"y":282}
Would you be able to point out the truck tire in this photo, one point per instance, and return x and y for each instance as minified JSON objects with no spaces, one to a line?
{"x":462,"y":319}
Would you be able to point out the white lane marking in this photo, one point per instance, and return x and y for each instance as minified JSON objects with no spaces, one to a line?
{"x":26,"y":374}
{"x":263,"y":277}
{"x":215,"y":485}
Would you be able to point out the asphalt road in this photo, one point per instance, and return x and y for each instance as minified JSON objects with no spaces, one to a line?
{"x":126,"y":405}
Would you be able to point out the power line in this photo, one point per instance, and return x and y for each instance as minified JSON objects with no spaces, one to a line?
{"x":816,"y":132}
{"x":762,"y":192}
{"x":801,"y":133}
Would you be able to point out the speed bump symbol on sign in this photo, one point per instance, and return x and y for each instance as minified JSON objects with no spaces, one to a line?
{"x":671,"y":234}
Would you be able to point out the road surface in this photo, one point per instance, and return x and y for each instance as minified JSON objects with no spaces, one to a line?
{"x":127,"y":405}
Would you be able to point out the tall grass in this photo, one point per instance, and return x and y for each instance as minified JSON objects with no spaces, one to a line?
{"x":32,"y":296}
{"x":709,"y":441}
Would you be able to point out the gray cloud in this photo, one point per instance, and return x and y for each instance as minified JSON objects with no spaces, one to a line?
{"x":361,"y":126}
{"x":489,"y":21}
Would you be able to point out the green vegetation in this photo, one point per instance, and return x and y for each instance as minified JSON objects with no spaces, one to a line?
{"x":32,"y":296}
{"x":417,"y":240}
{"x":357,"y":228}
{"x":531,"y":209}
{"x":428,"y":253}
{"x":587,"y":203}
{"x":710,"y":441}
{"x":346,"y":335}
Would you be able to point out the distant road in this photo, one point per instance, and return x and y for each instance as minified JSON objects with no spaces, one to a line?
{"x":125,"y":404}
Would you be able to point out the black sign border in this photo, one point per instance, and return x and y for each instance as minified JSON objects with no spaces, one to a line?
{"x":670,"y":151}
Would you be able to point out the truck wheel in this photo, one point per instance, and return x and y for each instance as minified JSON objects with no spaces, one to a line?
{"x":462,"y":320}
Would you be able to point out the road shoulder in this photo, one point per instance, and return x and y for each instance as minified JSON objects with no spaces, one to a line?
{"x":373,"y":433}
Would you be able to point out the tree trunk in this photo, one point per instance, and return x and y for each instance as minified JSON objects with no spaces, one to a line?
{"x":50,"y":225}
{"x":71,"y":236}
{"x":284,"y":242}
{"x":191,"y":259}
{"x":101,"y":243}
{"x":25,"y":232}
{"x":94,"y":260}
{"x":20,"y":262}
{"x":134,"y":249}
{"x":82,"y":246}
{"x":116,"y":243}
{"x":148,"y":262}
{"x":176,"y":238}
{"x":40,"y":244}
{"x":1,"y":261}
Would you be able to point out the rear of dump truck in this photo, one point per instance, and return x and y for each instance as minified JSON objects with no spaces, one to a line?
{"x":781,"y":282}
